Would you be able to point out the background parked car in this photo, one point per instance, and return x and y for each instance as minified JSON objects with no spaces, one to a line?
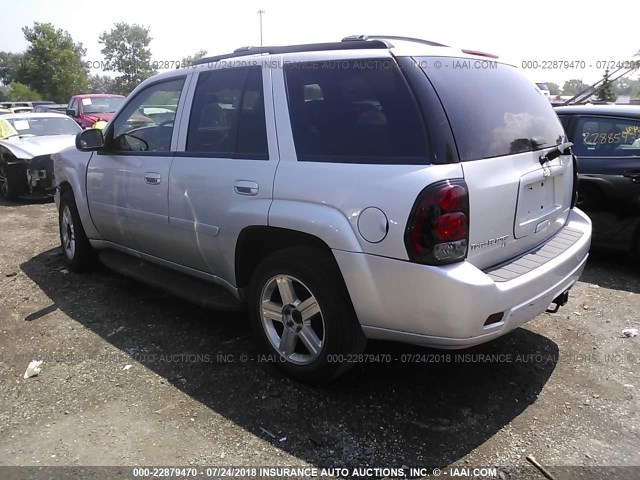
{"x":544,"y":89}
{"x":27,"y":142}
{"x":15,"y":104}
{"x":37,"y":103}
{"x":51,"y":108}
{"x":18,"y":109}
{"x":606,"y":142}
{"x":86,"y":110}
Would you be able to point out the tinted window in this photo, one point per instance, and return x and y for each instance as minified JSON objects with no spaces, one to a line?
{"x":493,"y":109}
{"x":252,"y":130}
{"x":146,"y":123}
{"x":606,"y":136}
{"x":354,"y":111}
{"x":227,"y":117}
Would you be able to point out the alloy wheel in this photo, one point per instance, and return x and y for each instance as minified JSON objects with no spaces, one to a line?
{"x":67,"y":232}
{"x":292,"y":319}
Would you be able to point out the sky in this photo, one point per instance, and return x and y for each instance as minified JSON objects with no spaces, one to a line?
{"x":517,"y":32}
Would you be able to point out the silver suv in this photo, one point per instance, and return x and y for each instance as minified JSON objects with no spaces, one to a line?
{"x":386,"y":188}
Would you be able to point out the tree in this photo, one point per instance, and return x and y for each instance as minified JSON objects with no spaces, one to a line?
{"x":101,"y":84}
{"x":126,"y":50}
{"x":18,"y":91}
{"x":605,"y":91}
{"x":9,"y":63}
{"x":52,"y":64}
{"x":191,"y":59}
{"x":627,"y":86}
{"x":554,"y":88}
{"x":573,"y":87}
{"x":4,"y":93}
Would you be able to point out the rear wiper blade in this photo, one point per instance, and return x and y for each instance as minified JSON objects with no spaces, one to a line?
{"x":555,"y":152}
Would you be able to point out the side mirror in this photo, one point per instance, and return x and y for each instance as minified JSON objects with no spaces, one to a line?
{"x":72,"y":112}
{"x":89,"y":140}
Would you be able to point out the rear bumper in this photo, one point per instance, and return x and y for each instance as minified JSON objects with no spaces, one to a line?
{"x":447,"y":306}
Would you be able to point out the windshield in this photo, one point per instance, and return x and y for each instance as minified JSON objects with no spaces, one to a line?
{"x":493,"y":109}
{"x":101,"y":104}
{"x":38,"y":126}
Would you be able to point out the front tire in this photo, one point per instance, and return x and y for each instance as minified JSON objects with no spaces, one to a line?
{"x":301,"y":310}
{"x":9,"y":186}
{"x":79,"y":255}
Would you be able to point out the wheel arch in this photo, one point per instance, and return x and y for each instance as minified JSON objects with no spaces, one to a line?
{"x":255,"y":243}
{"x":70,"y":175}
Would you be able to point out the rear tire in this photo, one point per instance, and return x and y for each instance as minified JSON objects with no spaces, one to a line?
{"x":79,"y":255}
{"x":301,"y":311}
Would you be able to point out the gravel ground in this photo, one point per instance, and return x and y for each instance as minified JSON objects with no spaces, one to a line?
{"x":133,"y":376}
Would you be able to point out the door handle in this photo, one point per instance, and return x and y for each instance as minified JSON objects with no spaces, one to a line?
{"x":633,"y":175}
{"x":152,"y":178}
{"x":245,"y":187}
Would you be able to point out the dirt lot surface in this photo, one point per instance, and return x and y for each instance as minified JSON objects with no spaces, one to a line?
{"x":133,"y":376}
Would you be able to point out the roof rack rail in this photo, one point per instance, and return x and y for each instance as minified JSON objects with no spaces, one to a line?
{"x":310,"y":47}
{"x":359,"y":38}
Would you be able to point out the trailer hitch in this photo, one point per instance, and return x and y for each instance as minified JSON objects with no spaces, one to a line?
{"x":559,"y":301}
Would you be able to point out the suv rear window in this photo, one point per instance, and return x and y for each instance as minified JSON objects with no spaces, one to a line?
{"x":354,"y":111}
{"x":493,"y":109}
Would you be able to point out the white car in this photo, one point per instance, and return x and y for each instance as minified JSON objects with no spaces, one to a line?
{"x":377,"y":187}
{"x":544,"y":89}
{"x":27,"y":141}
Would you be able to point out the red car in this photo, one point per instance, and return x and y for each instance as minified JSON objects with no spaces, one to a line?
{"x":91,"y":108}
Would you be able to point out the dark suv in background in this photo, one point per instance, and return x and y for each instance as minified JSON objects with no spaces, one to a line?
{"x":606,"y":142}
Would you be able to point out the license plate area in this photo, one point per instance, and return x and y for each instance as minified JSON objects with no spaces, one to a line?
{"x":539,"y":200}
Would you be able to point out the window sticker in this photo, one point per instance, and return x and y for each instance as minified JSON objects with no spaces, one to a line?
{"x":86,"y":101}
{"x":21,"y":124}
{"x":621,"y":134}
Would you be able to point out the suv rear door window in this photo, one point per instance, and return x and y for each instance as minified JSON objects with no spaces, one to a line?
{"x":227,"y":118}
{"x":493,"y":109}
{"x":356,"y":111}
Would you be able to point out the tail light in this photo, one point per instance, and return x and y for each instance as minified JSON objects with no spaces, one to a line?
{"x":437,"y":232}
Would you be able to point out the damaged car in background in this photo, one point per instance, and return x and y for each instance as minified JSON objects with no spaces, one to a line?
{"x":27,"y":142}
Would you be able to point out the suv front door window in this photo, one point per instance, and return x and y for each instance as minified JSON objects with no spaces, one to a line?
{"x":146,"y":123}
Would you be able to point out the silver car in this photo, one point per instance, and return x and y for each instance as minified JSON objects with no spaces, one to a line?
{"x":27,"y":141}
{"x":384,"y":188}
